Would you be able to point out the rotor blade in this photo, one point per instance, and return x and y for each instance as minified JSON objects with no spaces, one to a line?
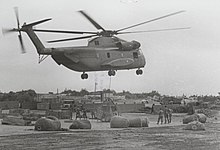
{"x":91,"y":20}
{"x":62,"y":31}
{"x":151,"y":20}
{"x":159,"y":30}
{"x":6,"y":30}
{"x":70,"y":39}
{"x":17,"y":16}
{"x":21,"y":43}
{"x":37,"y":22}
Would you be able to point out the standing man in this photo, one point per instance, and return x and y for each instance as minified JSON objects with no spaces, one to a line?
{"x":84,"y":115}
{"x":71,"y":110}
{"x":160,"y":117}
{"x":152,"y":109}
{"x":78,"y":115}
{"x":93,"y":114}
{"x":170,"y":111}
{"x":166,"y":114}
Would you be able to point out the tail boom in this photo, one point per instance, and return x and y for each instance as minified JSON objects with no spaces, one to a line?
{"x":28,"y":28}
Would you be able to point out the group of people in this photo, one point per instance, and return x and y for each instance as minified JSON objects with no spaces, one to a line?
{"x":166,"y":114}
{"x":81,"y":113}
{"x":79,"y":110}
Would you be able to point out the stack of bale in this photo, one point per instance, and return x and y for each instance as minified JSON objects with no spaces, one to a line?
{"x":15,"y":120}
{"x":206,"y":112}
{"x":121,"y":122}
{"x":195,"y":126}
{"x":49,"y":123}
{"x":195,"y":122}
{"x":195,"y":117}
{"x":138,"y":122}
{"x":80,"y":124}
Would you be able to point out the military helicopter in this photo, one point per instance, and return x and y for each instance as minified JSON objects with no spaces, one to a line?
{"x":104,"y":52}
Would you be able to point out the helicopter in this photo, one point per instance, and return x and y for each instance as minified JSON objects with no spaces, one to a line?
{"x":104,"y":52}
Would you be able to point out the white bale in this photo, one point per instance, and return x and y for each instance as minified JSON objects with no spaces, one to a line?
{"x":49,"y":123}
{"x":144,"y":122}
{"x":15,"y":120}
{"x":195,"y":126}
{"x":202,"y":118}
{"x":119,"y":122}
{"x":190,"y":118}
{"x":195,"y":117}
{"x":80,"y":124}
{"x":138,"y":122}
{"x":135,"y":122}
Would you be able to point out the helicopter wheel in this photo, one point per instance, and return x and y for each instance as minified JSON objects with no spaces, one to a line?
{"x":111,"y":72}
{"x":84,"y":76}
{"x":139,"y":72}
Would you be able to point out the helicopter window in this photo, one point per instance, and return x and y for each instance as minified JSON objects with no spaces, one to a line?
{"x":96,"y":42}
{"x":108,"y":55}
{"x":135,"y":54}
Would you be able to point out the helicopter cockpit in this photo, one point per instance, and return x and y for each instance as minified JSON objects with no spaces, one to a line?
{"x":114,"y":42}
{"x":128,"y":46}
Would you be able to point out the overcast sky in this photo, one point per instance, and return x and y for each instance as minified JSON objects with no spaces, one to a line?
{"x":178,"y":62}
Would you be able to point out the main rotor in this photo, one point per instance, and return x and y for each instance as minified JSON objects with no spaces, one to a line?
{"x":104,"y":32}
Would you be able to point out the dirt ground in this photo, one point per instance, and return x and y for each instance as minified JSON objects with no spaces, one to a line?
{"x":101,"y":136}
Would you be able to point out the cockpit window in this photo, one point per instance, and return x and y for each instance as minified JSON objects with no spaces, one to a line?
{"x":135,"y":54}
{"x":115,"y":39}
{"x":96,"y":42}
{"x":108,"y":55}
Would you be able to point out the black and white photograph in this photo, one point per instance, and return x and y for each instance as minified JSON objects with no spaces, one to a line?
{"x":110,"y":74}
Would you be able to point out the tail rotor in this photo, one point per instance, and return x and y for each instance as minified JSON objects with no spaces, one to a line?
{"x":18,"y":29}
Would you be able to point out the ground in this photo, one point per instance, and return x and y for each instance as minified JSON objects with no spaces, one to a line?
{"x":101,"y":136}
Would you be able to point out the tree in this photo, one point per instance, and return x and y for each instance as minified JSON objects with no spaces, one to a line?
{"x":26,"y":96}
{"x":83,"y":92}
{"x":154,"y":93}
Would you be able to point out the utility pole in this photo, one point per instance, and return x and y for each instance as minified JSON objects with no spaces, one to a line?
{"x":95,"y":86}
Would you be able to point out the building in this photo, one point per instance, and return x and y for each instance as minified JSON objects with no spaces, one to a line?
{"x":185,"y":101}
{"x":48,"y":98}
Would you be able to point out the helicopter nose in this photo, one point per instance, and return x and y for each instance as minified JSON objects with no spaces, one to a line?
{"x":136,"y":44}
{"x":143,"y":60}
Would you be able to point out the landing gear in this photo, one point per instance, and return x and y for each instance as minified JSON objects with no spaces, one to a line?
{"x":139,"y":72}
{"x":84,"y":75}
{"x":111,"y":72}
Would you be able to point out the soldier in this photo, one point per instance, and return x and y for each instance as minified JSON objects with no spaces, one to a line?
{"x":170,"y":115}
{"x":152,"y":108}
{"x":84,"y":115}
{"x":71,"y":108}
{"x":78,"y":115}
{"x":93,"y":114}
{"x":160,"y":117}
{"x":166,"y":114}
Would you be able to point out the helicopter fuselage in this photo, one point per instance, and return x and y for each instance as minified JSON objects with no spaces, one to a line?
{"x":84,"y":59}
{"x":102,"y":53}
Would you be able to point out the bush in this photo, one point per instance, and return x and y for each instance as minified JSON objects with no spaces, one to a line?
{"x":180,"y":109}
